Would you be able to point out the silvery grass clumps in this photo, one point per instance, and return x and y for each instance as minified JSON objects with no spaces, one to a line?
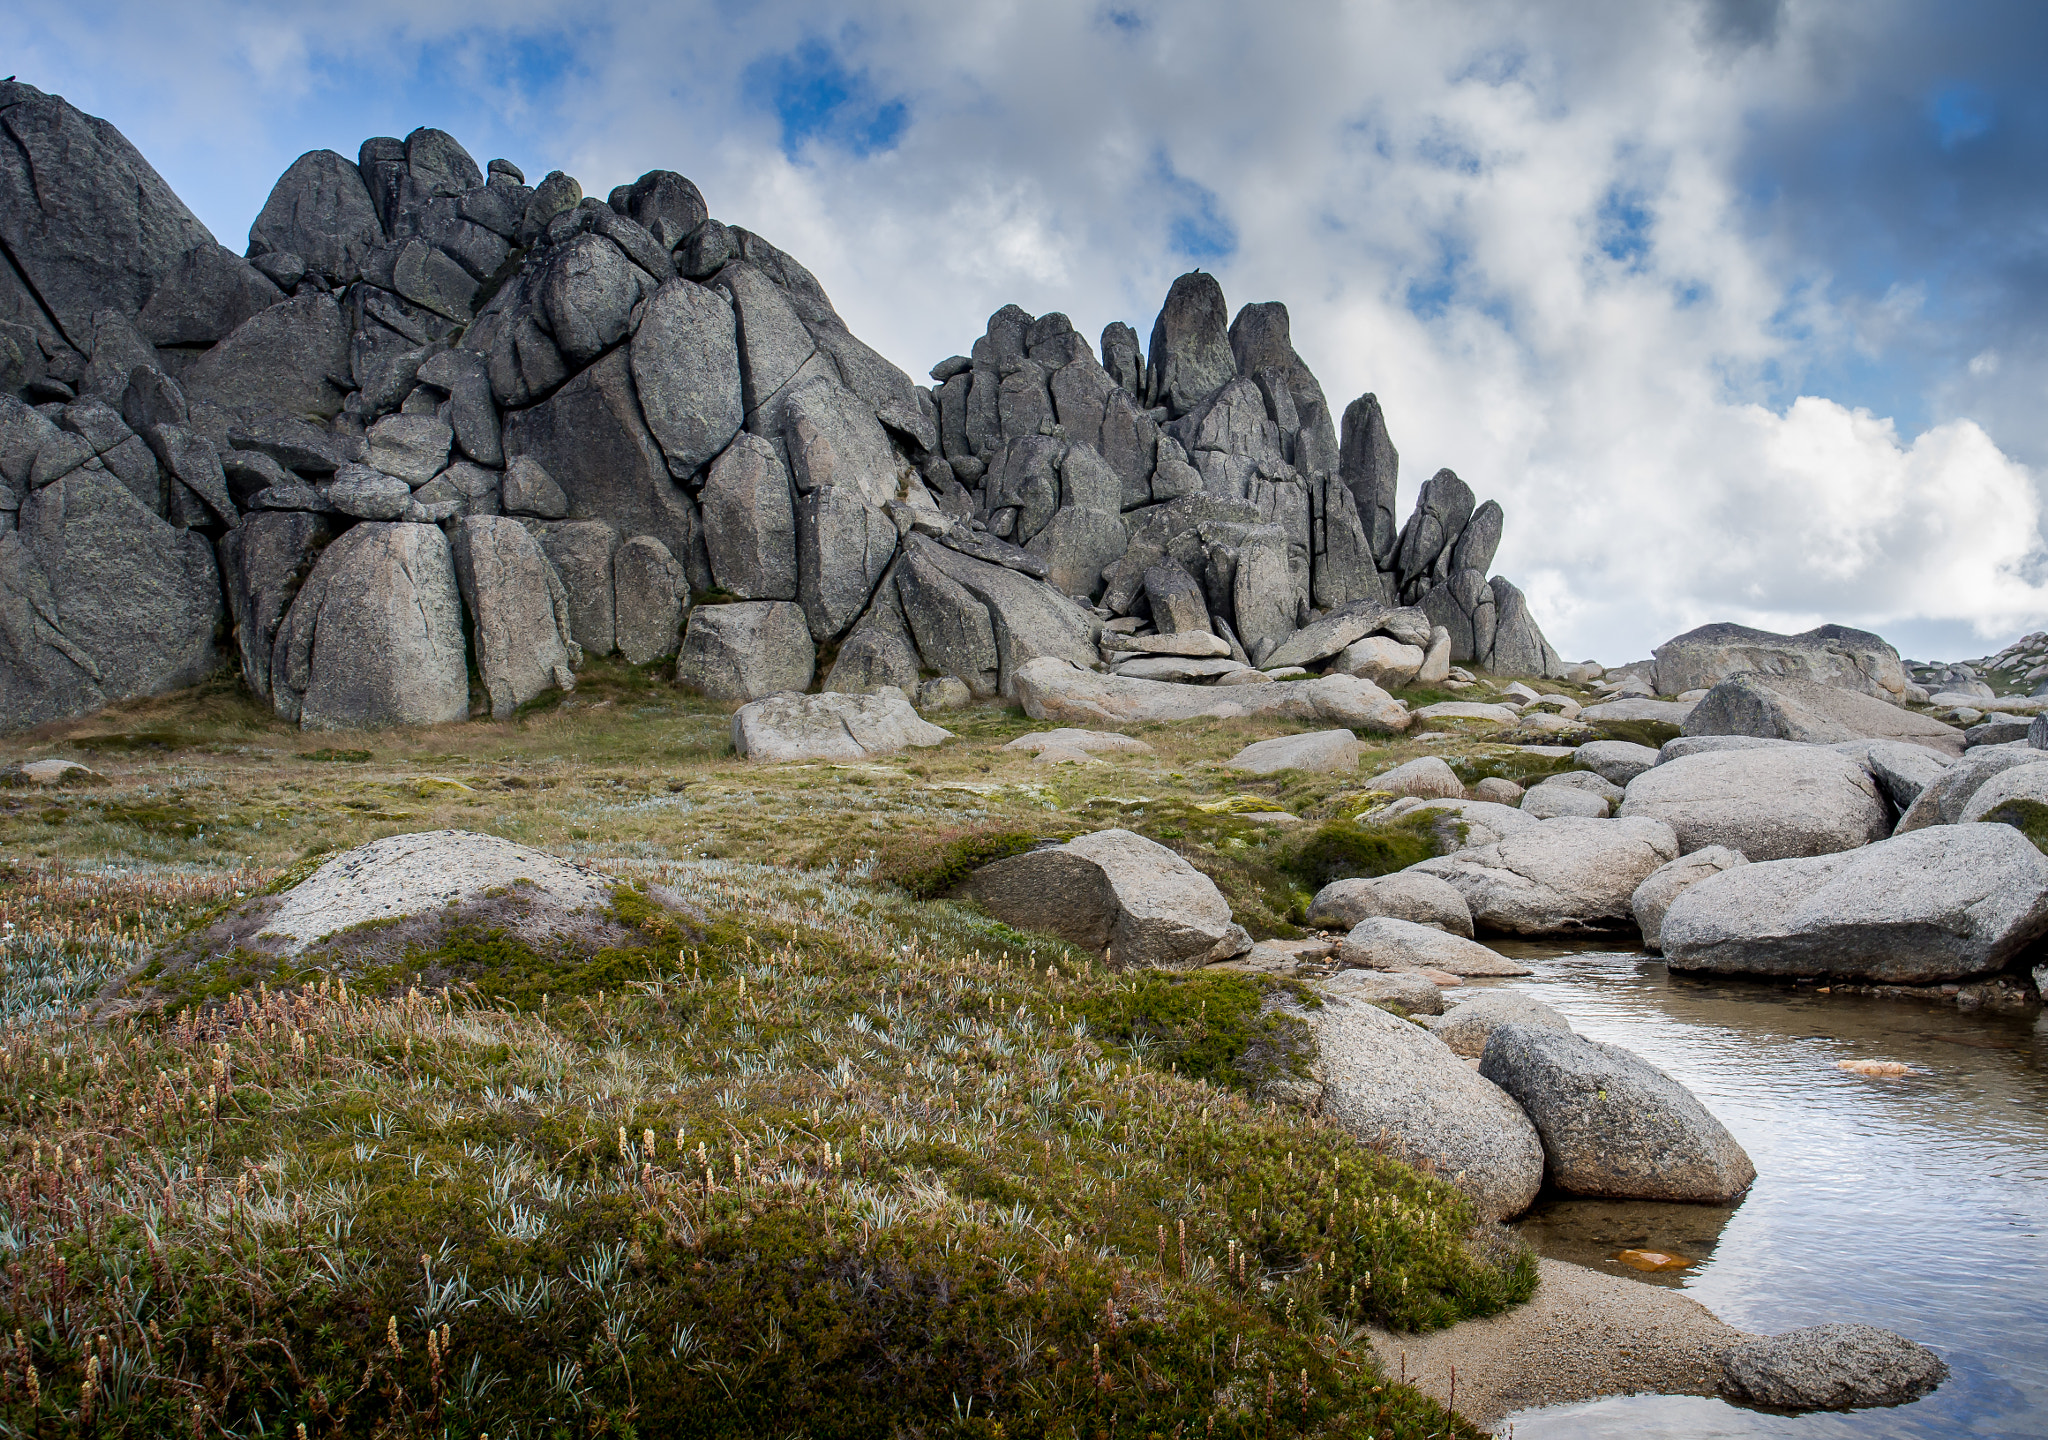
{"x":823,"y":1152}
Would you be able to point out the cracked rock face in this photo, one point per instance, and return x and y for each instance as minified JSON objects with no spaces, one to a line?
{"x":414,"y":338}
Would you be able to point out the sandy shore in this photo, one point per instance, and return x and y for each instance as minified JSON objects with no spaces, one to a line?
{"x":1584,"y":1334}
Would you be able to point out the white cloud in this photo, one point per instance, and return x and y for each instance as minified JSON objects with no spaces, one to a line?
{"x":1607,"y":316}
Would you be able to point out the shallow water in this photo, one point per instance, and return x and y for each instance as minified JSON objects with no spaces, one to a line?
{"x":1919,"y":1204}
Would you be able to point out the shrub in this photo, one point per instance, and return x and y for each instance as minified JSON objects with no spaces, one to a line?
{"x":929,"y":865}
{"x":1345,"y":850}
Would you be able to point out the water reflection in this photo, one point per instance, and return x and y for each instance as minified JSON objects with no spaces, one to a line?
{"x":1916,"y":1203}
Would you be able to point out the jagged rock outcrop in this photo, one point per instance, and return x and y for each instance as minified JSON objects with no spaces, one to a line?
{"x":664,"y":408}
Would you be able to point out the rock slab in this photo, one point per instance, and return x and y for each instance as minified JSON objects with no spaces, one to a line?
{"x":831,"y":726}
{"x":1831,"y":1367}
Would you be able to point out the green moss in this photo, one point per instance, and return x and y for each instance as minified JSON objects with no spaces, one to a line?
{"x":1214,"y":1027}
{"x":342,"y":757}
{"x":1509,"y":764}
{"x":928,"y":865}
{"x":1344,"y":849}
{"x":1653,"y":733}
{"x":2029,"y":817}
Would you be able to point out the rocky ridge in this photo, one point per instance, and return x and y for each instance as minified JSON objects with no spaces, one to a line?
{"x":196,"y":444}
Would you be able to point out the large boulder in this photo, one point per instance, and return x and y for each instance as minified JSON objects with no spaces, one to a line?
{"x":1665,"y":884}
{"x":1030,"y":623}
{"x":1557,"y":877}
{"x":1329,"y":751}
{"x":649,"y":591}
{"x":1384,"y":943}
{"x":519,"y":612}
{"x":320,"y":211}
{"x":750,"y":521}
{"x":1397,"y":1087}
{"x":1467,"y":1026}
{"x":2006,"y":796}
{"x":1615,"y":761}
{"x":403,"y":875}
{"x":581,"y":552}
{"x":746,"y":650}
{"x":1791,"y":708}
{"x":686,"y":367}
{"x":1901,"y":770}
{"x":1055,"y":689}
{"x":590,"y":438}
{"x":1457,"y":824}
{"x":1409,"y":989}
{"x":1430,"y":777}
{"x":1831,"y":1367}
{"x":1404,"y":895}
{"x":1939,"y":904}
{"x":375,"y":635}
{"x":1831,"y":655}
{"x":293,"y":358}
{"x":1131,"y":899}
{"x":830,"y":726}
{"x":1190,"y":358}
{"x":264,"y":561}
{"x":1771,"y":804}
{"x":100,"y":600}
{"x":1943,"y":800}
{"x":86,"y":223}
{"x":1614,"y":1125}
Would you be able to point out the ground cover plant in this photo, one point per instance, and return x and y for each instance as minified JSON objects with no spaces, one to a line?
{"x":814,"y":1150}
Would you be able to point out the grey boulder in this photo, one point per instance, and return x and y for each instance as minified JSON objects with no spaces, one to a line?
{"x":100,"y":600}
{"x":1332,"y":751}
{"x":1666,"y":883}
{"x":1939,"y":904}
{"x":686,"y":364}
{"x":831,"y":726}
{"x":649,"y":592}
{"x":264,"y":561}
{"x":746,"y":650}
{"x":1414,"y":993}
{"x":1613,"y":1125}
{"x":1557,"y":877}
{"x":320,"y":211}
{"x":1383,"y":943}
{"x":1128,"y":898}
{"x":366,"y":494}
{"x":1831,"y":655}
{"x":1831,"y":1367}
{"x":1428,"y":778}
{"x":375,"y":635}
{"x":1397,"y":1087}
{"x":1404,"y":895}
{"x":1550,"y":800}
{"x":1790,"y":708}
{"x":1052,"y":688}
{"x":750,"y":522}
{"x":1615,"y":761}
{"x":519,"y":612}
{"x":1771,"y":804}
{"x":581,"y":552}
{"x":1943,"y":800}
{"x":1467,"y":1026}
{"x":292,"y":358}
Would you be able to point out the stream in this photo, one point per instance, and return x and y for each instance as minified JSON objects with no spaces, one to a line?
{"x":1919,"y":1204}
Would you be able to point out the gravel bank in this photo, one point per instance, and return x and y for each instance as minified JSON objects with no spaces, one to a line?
{"x":1584,"y":1334}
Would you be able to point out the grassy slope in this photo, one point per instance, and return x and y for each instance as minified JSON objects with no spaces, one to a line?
{"x":945,"y":1169}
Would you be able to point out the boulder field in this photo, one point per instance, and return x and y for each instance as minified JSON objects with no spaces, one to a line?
{"x":434,"y":418}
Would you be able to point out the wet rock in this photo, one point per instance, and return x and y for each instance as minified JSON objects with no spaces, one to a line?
{"x":1614,"y":1125}
{"x":1129,"y":898}
{"x":1831,"y":1367}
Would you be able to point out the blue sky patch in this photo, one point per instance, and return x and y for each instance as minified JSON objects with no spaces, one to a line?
{"x":1197,"y":227}
{"x":1624,"y":227}
{"x":818,"y":100}
{"x":1960,"y":113}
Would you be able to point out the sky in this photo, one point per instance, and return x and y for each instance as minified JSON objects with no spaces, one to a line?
{"x":1738,"y":307}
